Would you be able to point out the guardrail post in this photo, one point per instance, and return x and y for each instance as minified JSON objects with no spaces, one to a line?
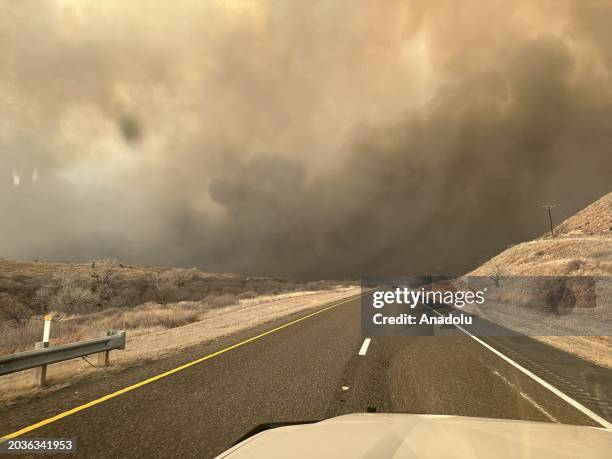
{"x":44,"y":355}
{"x":104,"y":357}
{"x":40,"y":373}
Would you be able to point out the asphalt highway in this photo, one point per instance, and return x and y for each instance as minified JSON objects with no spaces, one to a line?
{"x":313,"y":369}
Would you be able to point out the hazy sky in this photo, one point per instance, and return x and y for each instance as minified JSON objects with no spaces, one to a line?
{"x":291,"y":138}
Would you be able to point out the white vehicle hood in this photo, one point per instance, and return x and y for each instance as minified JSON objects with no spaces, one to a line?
{"x":378,"y":435}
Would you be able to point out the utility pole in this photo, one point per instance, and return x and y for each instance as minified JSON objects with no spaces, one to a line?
{"x":549,"y":206}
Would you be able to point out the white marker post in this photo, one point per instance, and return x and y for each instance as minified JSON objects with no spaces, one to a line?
{"x":40,"y":374}
{"x":47,"y":329}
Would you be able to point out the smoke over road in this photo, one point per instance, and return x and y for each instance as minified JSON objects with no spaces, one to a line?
{"x":309,"y":139}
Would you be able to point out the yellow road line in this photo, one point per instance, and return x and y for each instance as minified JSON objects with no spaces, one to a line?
{"x":59,"y":416}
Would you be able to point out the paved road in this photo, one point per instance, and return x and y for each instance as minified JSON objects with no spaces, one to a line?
{"x":298,"y":373}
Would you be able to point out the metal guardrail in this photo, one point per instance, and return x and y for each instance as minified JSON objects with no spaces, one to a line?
{"x":46,"y":356}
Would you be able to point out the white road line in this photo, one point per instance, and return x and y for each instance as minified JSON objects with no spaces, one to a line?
{"x":364,"y":346}
{"x":533,"y":403}
{"x":583,"y":409}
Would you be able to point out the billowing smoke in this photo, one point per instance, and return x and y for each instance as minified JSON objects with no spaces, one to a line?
{"x":308,"y":139}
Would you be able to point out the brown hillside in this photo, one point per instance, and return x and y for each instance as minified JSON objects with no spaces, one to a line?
{"x":582,"y":246}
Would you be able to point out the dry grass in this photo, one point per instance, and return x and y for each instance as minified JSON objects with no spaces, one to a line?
{"x":596,"y":349}
{"x":150,"y":316}
{"x":154,"y":338}
{"x":582,"y":246}
{"x":595,"y":219}
{"x":565,"y":256}
{"x":105,"y":294}
{"x":82,"y":288}
{"x":142,"y":319}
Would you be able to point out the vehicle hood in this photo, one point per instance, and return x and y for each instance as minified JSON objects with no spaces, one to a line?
{"x":378,"y":435}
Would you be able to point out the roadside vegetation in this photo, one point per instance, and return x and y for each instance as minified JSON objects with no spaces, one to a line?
{"x":86,"y":299}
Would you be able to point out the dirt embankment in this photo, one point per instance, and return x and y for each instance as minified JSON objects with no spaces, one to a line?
{"x":581,"y":246}
{"x":572,"y":301}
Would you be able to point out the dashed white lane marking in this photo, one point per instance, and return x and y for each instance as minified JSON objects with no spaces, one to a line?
{"x":533,"y":403}
{"x":364,"y":346}
{"x":583,"y":409}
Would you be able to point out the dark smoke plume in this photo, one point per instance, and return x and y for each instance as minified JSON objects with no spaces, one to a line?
{"x":308,"y":139}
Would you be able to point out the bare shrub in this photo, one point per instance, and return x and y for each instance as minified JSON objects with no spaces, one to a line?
{"x":182,"y":277}
{"x":151,"y":316}
{"x":16,"y":288}
{"x":177,"y":318}
{"x":193,"y":306}
{"x":13,"y":310}
{"x":166,"y":288}
{"x":102,"y":280}
{"x":175,"y":285}
{"x":573,"y":265}
{"x":126,"y":297}
{"x":221,"y":301}
{"x":318,"y":285}
{"x":107,"y":261}
{"x":71,"y":296}
{"x":267,"y":287}
{"x":560,"y":295}
{"x":73,"y":299}
{"x":105,"y":296}
{"x":19,"y":338}
{"x":247,"y":295}
{"x":44,"y":297}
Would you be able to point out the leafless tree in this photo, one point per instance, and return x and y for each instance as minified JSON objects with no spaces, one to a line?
{"x":496,"y":276}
